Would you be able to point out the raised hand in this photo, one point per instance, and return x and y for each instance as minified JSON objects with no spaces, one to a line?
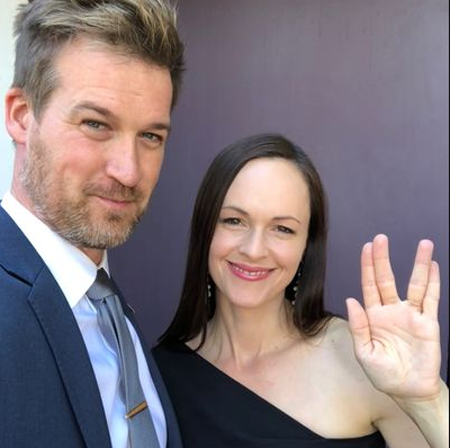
{"x":397,"y":341}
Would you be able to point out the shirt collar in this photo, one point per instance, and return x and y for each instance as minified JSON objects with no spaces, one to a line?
{"x":72,"y":269}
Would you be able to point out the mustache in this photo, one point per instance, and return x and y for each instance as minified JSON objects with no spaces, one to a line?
{"x":115,"y":192}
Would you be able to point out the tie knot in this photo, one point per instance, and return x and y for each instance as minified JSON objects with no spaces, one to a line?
{"x":102,"y":287}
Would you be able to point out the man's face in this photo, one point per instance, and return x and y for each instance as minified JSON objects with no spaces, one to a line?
{"x":93,"y":156}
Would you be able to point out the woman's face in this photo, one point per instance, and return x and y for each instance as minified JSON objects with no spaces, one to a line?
{"x":261,"y":233}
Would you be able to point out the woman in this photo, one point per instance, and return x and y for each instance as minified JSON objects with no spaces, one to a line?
{"x":252,"y":359}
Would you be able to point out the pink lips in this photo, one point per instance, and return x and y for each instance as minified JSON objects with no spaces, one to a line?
{"x":249,"y":273}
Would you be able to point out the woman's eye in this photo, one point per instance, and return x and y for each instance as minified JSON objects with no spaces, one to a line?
{"x":231,"y":221}
{"x":284,"y":229}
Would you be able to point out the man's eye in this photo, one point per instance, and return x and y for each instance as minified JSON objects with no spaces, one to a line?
{"x":154,"y":138}
{"x":231,"y":221}
{"x":93,"y":124}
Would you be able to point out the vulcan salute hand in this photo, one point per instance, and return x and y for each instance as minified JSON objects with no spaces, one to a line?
{"x":397,"y":341}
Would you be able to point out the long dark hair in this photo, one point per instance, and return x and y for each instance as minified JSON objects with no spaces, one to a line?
{"x":194,"y":310}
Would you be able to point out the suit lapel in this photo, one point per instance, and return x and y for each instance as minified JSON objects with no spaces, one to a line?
{"x":64,"y":337}
{"x":56,"y":319}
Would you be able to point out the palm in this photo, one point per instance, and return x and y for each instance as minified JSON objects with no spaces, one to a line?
{"x":397,"y":342}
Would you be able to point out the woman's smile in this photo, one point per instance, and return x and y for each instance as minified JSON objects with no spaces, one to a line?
{"x":249,"y":273}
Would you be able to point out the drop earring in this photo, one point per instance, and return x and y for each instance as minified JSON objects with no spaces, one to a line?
{"x":208,"y":291}
{"x":292,"y":289}
{"x":297,"y":280}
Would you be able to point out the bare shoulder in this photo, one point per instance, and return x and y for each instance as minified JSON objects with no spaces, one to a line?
{"x":337,"y":337}
{"x":337,"y":342}
{"x":337,"y":345}
{"x":384,"y":414}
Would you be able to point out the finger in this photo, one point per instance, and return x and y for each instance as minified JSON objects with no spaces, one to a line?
{"x":431,"y":300}
{"x":383,"y":272}
{"x":419,"y":278}
{"x":369,"y":286}
{"x":359,"y":325}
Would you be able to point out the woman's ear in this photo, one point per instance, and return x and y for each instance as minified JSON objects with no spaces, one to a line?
{"x":17,"y":115}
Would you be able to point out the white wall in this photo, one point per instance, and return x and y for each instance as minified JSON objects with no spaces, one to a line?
{"x":6,"y":72}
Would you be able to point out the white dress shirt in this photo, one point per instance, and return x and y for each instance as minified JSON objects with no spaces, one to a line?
{"x":75,"y":273}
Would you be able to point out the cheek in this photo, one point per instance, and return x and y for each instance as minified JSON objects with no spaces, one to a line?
{"x":293,"y":257}
{"x":75,"y":170}
{"x":222,"y":243}
{"x":81,"y":165}
{"x":219,"y":248}
{"x":75,"y":158}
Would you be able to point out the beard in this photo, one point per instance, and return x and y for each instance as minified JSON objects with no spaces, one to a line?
{"x":70,"y":213}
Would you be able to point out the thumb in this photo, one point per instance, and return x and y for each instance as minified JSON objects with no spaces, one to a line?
{"x":359,"y":324}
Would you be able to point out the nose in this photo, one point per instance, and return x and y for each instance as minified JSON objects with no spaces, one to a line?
{"x":123,"y":162}
{"x":253,"y":244}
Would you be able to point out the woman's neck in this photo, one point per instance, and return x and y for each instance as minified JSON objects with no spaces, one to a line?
{"x":243,"y":336}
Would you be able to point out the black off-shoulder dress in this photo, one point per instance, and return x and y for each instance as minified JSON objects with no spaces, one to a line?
{"x":215,"y":411}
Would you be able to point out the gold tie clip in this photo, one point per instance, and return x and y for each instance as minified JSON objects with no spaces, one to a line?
{"x":136,"y":410}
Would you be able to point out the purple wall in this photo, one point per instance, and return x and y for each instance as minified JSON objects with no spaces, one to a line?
{"x":362,"y":86}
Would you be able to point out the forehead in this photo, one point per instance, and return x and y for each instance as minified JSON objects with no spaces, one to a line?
{"x":96,"y":71}
{"x":272,"y":184}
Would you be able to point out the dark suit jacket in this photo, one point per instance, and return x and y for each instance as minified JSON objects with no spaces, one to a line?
{"x":48,"y":392}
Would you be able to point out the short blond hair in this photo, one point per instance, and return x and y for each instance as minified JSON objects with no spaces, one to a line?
{"x":145,"y":29}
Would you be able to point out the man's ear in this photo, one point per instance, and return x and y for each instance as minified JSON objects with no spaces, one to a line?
{"x":18,"y":115}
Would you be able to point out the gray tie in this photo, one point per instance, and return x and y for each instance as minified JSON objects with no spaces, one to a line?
{"x":112,"y":324}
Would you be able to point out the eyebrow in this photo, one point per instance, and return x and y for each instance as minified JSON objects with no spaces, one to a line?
{"x":243,"y":212}
{"x":89,"y":105}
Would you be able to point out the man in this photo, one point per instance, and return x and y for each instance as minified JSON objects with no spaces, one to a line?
{"x":89,"y":113}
